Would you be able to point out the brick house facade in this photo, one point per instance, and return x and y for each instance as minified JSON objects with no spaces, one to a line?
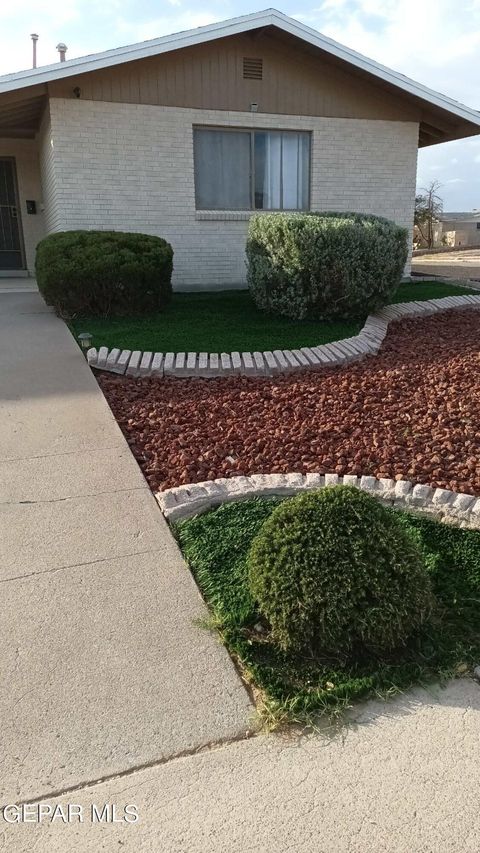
{"x":111,"y":140}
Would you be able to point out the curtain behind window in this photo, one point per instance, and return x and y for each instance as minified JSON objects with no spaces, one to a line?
{"x":295,"y":171}
{"x":222,"y":170}
{"x":268,"y":171}
{"x":282,"y":162}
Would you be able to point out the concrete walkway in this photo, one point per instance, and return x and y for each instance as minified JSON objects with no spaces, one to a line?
{"x":111,"y":696}
{"x":103,"y":668}
{"x":18,"y":284}
{"x":403,"y":778}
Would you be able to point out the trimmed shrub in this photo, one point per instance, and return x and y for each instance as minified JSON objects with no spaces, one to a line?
{"x":334,"y":570}
{"x":104,"y":273}
{"x":324,"y":265}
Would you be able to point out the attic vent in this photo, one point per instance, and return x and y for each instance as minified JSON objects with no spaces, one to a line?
{"x":252,"y":68}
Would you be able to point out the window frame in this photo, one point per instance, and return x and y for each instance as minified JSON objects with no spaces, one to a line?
{"x":252,"y":131}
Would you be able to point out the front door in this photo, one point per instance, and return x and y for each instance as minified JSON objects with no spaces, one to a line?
{"x":11,"y":249}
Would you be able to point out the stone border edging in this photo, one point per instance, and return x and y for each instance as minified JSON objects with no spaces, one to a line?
{"x":442,"y":504}
{"x":270,"y":363}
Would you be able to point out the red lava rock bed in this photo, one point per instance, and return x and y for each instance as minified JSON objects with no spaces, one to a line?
{"x":412,"y":411}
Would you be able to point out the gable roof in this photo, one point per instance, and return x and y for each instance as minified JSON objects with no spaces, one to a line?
{"x":235,"y":26}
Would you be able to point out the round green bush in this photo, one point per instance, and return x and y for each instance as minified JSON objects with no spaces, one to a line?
{"x":104,"y":273}
{"x":324,"y":265}
{"x":335,"y":570}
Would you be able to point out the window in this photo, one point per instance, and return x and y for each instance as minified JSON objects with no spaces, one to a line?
{"x":478,"y":226}
{"x":251,"y":170}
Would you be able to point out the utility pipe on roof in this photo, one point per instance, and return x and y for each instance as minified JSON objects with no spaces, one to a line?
{"x":62,"y":49}
{"x":34,"y":38}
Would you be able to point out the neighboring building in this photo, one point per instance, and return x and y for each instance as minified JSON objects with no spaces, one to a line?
{"x":185,"y":136}
{"x":419,"y":241}
{"x":452,"y":229}
{"x":461,"y":229}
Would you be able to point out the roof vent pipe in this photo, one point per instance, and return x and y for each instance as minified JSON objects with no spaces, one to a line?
{"x":62,"y":49}
{"x":34,"y":38}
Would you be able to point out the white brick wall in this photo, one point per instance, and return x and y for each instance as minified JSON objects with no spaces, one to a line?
{"x":130,"y":167}
{"x":26,"y":154}
{"x":53,"y":221}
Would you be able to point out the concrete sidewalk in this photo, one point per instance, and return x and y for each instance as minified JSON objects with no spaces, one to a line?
{"x":103,"y":668}
{"x":403,"y":778}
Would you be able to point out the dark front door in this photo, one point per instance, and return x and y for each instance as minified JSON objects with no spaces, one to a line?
{"x":11,"y":250}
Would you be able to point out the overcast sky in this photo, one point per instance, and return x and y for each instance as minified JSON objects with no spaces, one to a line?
{"x":434,"y":41}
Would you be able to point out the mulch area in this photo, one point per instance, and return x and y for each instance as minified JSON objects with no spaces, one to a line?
{"x":412,"y":411}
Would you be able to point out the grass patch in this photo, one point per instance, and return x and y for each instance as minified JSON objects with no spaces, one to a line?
{"x":417,"y":291}
{"x":212,"y":322}
{"x":228,"y":320}
{"x":296,"y":687}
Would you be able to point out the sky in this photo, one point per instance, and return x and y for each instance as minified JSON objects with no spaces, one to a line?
{"x":436,"y":42}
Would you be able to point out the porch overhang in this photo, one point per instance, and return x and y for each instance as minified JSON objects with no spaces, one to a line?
{"x":21,"y":112}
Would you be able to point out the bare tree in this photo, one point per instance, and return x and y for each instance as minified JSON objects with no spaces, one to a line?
{"x":428,"y":209}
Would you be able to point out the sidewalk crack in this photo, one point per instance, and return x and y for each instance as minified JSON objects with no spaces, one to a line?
{"x":76,"y":497}
{"x":149,"y":765}
{"x":79,"y":565}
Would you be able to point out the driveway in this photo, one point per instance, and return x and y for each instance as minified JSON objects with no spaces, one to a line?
{"x":457,"y":266}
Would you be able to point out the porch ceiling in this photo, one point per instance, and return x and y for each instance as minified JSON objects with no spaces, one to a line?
{"x":21,"y":118}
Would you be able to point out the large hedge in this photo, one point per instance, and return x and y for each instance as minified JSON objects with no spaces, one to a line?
{"x":334,"y":570}
{"x":104,"y":273}
{"x":324,"y":265}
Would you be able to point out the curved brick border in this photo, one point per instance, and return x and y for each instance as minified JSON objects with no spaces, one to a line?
{"x":442,"y":504}
{"x":269,"y":363}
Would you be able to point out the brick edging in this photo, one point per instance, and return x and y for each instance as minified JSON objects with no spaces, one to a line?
{"x":443,"y":504}
{"x":270,"y":363}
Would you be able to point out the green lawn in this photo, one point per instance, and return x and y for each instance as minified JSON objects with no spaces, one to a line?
{"x":418,"y":290}
{"x":216,"y":544}
{"x":226,"y":321}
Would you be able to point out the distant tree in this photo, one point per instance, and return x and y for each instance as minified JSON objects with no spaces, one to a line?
{"x":428,"y":209}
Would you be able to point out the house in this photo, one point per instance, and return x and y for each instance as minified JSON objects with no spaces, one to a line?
{"x":461,"y":229}
{"x":186,"y":135}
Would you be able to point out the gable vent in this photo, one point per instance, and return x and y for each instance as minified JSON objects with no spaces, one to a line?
{"x":252,"y":68}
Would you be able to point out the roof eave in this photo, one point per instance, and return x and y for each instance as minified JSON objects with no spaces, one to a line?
{"x":142,"y":50}
{"x":235,"y":26}
{"x":377,"y":70}
{"x":464,"y":131}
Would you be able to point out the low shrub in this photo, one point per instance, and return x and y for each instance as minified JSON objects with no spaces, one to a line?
{"x":104,"y":273}
{"x":335,"y":570}
{"x":324,"y":265}
{"x":293,"y":686}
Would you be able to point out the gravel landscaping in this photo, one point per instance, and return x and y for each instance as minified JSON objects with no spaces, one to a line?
{"x":411,"y":411}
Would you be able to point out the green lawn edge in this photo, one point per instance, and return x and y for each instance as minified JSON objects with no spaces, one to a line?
{"x":228,"y":321}
{"x":215,"y":546}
